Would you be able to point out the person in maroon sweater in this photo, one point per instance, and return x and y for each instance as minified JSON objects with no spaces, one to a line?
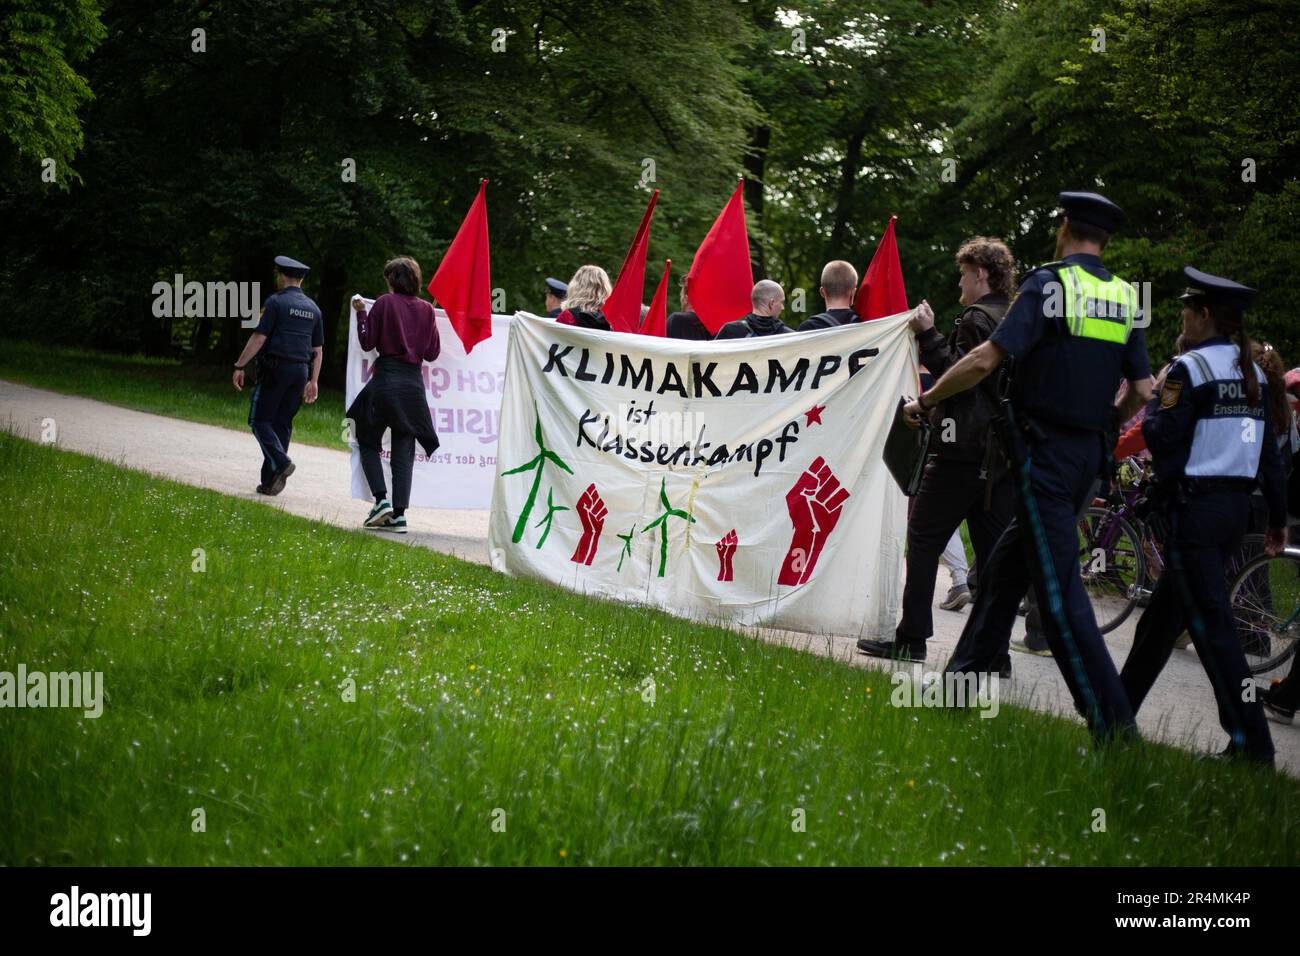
{"x":401,"y":327}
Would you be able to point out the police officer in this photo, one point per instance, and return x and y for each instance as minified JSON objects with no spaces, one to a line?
{"x":555,"y":293}
{"x":1072,"y":335}
{"x":1211,"y":441}
{"x":289,"y":339}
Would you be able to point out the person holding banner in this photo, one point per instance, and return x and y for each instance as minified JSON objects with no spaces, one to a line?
{"x":686,"y":324}
{"x":401,"y":326}
{"x":587,"y":292}
{"x":839,"y":283}
{"x":768,"y":301}
{"x":965,"y":480}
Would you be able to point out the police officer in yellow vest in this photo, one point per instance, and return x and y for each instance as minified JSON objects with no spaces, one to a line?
{"x":1211,"y":442}
{"x":1073,"y":333}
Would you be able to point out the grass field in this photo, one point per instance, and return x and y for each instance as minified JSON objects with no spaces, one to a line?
{"x":478,"y":695}
{"x":200,"y":393}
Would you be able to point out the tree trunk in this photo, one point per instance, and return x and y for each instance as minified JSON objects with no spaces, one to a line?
{"x":756,"y":165}
{"x":844,"y":197}
{"x":333,"y":289}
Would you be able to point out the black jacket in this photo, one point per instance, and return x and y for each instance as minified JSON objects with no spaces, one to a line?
{"x":752,"y":325}
{"x":971,"y":412}
{"x":829,"y":319}
{"x":585,"y":320}
{"x":687,"y":325}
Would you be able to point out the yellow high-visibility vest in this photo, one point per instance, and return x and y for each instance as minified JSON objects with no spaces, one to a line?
{"x":1097,"y":308}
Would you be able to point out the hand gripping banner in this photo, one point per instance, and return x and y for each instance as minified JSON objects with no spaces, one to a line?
{"x":737,"y":481}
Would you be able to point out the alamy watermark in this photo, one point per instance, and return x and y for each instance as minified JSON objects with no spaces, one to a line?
{"x":968,"y":689}
{"x":179,"y":299}
{"x":80,"y":690}
{"x":75,"y":908}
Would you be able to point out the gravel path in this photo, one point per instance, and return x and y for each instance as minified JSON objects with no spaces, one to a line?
{"x":1180,"y":708}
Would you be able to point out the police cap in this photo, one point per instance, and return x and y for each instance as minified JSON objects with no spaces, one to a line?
{"x":1092,"y":208}
{"x":556,"y":287}
{"x":1216,"y":290}
{"x":291,"y":267}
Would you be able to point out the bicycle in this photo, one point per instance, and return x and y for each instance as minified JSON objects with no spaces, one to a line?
{"x":1122,"y":558}
{"x":1265,"y":598}
{"x":1118,"y":552}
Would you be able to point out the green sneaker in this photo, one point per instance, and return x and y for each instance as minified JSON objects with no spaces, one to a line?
{"x":379,"y":514}
{"x":395,"y":524}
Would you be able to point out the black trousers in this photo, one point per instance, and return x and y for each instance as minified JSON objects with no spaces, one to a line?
{"x":275,"y":402}
{"x":951,"y":492}
{"x":1193,"y":594}
{"x":402,"y":463}
{"x":1044,"y":537}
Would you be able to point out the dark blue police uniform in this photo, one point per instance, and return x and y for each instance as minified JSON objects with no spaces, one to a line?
{"x":1209,"y":448}
{"x":1072,"y":336}
{"x":294,"y":326}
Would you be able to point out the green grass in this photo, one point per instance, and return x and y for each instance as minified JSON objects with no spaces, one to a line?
{"x":199,"y":393}
{"x":477,"y":692}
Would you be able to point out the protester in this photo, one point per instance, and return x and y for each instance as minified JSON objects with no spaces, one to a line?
{"x":686,"y":324}
{"x":584,"y":298}
{"x":839,"y":283}
{"x":555,"y":292}
{"x":1211,"y":436}
{"x":768,"y":301}
{"x":965,"y":480}
{"x":401,"y":326}
{"x":1073,"y":333}
{"x":290,"y":336}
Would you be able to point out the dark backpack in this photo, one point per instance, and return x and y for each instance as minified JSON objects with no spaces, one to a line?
{"x":971,"y":412}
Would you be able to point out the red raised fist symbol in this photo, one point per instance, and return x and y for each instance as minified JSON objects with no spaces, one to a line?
{"x":726,"y":546}
{"x":592,"y":512}
{"x":814,"y":503}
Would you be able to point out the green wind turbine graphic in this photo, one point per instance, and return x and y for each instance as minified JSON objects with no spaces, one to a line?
{"x":551,"y":509}
{"x":539,"y":463}
{"x":662,"y":523}
{"x":627,"y":546}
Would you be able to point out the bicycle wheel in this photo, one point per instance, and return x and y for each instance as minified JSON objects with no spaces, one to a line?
{"x":1265,"y":599}
{"x":1112,"y":564}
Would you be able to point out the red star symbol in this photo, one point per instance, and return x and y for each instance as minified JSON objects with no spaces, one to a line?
{"x":815,"y":415}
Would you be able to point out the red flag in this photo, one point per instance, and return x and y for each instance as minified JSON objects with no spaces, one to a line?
{"x":882,"y":292}
{"x":463,"y":283}
{"x":656,"y":320}
{"x":623,"y":307}
{"x":721,"y":279}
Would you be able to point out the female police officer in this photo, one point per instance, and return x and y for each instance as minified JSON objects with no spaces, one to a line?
{"x":1211,"y":440}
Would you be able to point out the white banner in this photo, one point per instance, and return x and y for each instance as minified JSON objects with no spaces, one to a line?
{"x":464,"y":395}
{"x":737,"y":481}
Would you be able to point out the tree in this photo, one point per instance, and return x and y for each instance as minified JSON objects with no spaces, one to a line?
{"x":41,"y":44}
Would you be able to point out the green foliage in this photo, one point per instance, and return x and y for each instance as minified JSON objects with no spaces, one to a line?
{"x":164,"y":386}
{"x":42,"y":42}
{"x":839,"y":114}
